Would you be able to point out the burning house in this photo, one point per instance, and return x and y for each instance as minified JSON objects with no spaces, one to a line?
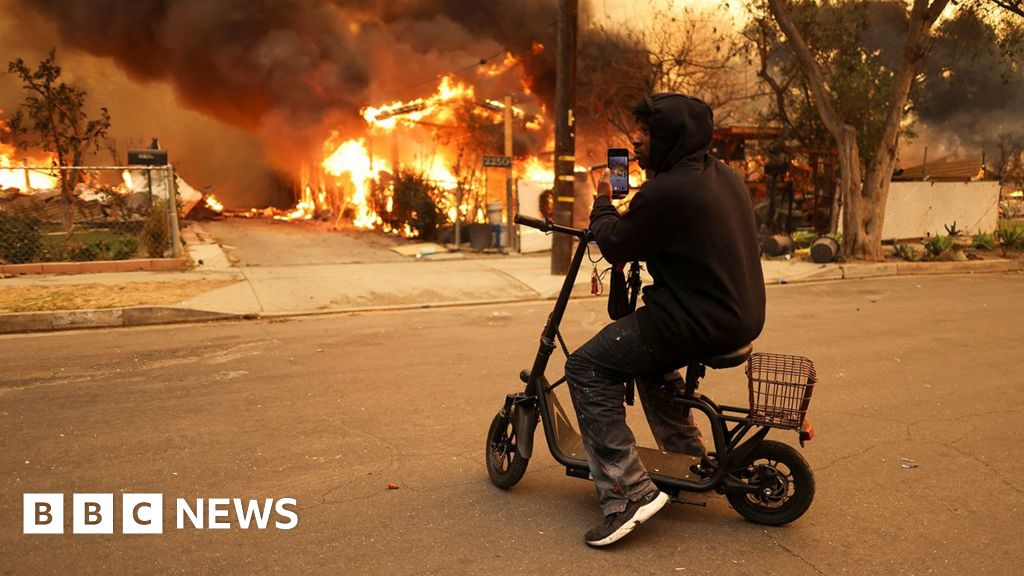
{"x":342,"y":96}
{"x":442,"y":136}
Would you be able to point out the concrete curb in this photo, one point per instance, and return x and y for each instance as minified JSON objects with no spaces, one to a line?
{"x":863,"y":270}
{"x":153,"y":315}
{"x":24,"y":322}
{"x":969,"y":267}
{"x":881,"y":269}
{"x":108,"y":318}
{"x":94,"y":266}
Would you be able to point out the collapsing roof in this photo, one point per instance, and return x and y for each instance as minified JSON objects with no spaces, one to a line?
{"x":947,"y":170}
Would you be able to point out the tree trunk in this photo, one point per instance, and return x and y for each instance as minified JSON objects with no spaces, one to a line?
{"x":862,"y":228}
{"x":65,"y":194}
{"x":862,"y":231}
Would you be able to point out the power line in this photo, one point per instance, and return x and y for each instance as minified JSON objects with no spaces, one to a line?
{"x":479,"y":62}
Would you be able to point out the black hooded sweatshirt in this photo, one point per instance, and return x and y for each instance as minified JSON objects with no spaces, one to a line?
{"x":693,"y":224}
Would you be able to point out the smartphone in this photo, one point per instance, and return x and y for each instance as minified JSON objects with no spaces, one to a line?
{"x":618,"y":165}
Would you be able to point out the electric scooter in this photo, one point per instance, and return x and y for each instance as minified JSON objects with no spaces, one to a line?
{"x":765,"y":481}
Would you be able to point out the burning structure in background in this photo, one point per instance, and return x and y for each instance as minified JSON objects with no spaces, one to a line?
{"x":285,"y":85}
{"x":346,"y":94}
{"x":442,"y":137}
{"x":297,"y":73}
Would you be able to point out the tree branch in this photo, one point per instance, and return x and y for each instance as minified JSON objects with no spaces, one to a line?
{"x":1014,"y":6}
{"x":833,"y":121}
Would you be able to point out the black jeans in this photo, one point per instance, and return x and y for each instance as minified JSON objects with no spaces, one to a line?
{"x":596,"y":373}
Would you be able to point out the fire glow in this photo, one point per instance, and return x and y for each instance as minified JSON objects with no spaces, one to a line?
{"x":18,"y":178}
{"x":356,"y":171}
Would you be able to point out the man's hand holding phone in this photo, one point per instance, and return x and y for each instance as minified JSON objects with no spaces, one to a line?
{"x":604,"y":185}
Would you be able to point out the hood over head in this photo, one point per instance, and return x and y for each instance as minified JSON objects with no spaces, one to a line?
{"x":680,"y":127}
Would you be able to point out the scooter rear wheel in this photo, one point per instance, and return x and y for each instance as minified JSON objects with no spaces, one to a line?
{"x":784,"y":480}
{"x":504,"y":464}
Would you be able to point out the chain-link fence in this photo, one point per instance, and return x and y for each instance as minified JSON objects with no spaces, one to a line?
{"x":916,"y":209}
{"x":80,"y":214}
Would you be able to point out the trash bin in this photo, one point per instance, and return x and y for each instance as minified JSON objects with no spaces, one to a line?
{"x":479,"y":236}
{"x":777,"y":245}
{"x":824,"y":250}
{"x":494,"y":210}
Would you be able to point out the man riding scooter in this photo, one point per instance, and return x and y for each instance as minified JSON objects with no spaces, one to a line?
{"x":692,"y":222}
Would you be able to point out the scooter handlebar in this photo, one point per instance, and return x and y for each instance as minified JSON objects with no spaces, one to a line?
{"x":531,"y":222}
{"x":549,"y":226}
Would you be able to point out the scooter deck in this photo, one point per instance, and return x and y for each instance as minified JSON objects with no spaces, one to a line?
{"x":660,"y":465}
{"x":667,"y":466}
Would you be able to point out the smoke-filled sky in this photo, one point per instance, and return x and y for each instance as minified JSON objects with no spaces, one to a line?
{"x":235,"y":88}
{"x":242,"y":91}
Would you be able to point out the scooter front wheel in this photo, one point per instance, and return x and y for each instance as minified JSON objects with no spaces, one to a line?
{"x":504,"y":464}
{"x":783,"y":482}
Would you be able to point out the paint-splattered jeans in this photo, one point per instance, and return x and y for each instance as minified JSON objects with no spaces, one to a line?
{"x":596,"y":374}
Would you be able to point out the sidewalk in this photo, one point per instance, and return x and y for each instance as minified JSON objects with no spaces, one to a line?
{"x":269,"y":291}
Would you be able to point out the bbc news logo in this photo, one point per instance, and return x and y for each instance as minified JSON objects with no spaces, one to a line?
{"x":144,"y":513}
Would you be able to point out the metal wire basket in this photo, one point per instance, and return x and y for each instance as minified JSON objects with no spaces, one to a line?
{"x":780,"y":389}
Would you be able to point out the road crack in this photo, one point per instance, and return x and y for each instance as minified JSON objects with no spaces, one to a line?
{"x":782,"y":546}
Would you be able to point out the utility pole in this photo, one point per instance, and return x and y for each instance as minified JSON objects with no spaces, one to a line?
{"x":510,"y":227}
{"x":565,"y":133}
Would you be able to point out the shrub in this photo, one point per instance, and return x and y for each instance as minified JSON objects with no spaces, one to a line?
{"x":908,"y":253}
{"x":86,"y":248}
{"x":804,"y":239}
{"x":155,"y":231}
{"x":1010,"y":236}
{"x":938,"y":245}
{"x":983,"y":241}
{"x":123,"y":248}
{"x":20,"y":239}
{"x":413,"y":205}
{"x":83,"y":252}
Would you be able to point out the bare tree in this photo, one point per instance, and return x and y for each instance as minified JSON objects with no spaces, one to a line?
{"x":695,"y":52}
{"x":53,"y":118}
{"x":1010,"y":160}
{"x":689,"y":51}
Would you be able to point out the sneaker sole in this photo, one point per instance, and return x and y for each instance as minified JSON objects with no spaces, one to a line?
{"x":643,"y":514}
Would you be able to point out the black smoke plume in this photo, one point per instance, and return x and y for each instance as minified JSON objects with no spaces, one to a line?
{"x":293,"y":71}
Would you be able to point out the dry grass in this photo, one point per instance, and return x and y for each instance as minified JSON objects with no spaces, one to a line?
{"x":90,"y":296}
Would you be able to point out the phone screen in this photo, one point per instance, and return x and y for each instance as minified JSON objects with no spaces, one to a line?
{"x":618,"y":165}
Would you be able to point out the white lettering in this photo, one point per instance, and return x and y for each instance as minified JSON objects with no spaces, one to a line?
{"x":253,"y":510}
{"x":218,"y":508}
{"x":183,"y":510}
{"x":282,"y":511}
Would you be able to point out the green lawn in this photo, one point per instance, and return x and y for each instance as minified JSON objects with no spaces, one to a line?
{"x":56,"y":245}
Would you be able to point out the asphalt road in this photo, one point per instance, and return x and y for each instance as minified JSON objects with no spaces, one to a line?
{"x":918,"y":371}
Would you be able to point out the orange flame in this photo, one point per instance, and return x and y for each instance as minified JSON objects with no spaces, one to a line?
{"x":213,"y":204}
{"x":353,"y":159}
{"x":501,"y":67}
{"x":537,"y":171}
{"x":305,"y":209}
{"x":23,"y":180}
{"x":356,"y":183}
{"x":387,"y":116}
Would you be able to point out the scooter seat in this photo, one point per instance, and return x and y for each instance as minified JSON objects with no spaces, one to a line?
{"x":729,"y":359}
